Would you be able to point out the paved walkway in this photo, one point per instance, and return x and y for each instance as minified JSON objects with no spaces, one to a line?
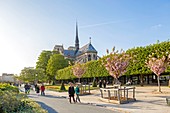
{"x":57,"y":104}
{"x":147,"y":101}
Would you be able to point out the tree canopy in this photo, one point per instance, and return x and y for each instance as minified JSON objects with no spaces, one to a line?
{"x":43,"y":60}
{"x":55,"y":63}
{"x":28,"y":74}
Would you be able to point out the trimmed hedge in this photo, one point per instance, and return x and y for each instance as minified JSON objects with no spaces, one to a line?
{"x":140,"y":55}
{"x":94,"y":69}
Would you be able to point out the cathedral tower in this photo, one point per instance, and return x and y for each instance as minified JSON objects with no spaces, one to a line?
{"x":77,"y":39}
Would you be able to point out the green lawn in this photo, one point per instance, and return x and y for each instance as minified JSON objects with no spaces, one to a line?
{"x":57,"y":87}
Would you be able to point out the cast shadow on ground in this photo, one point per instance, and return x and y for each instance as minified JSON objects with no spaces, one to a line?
{"x":126,"y":106}
{"x":46,"y":96}
{"x":46,"y":107}
{"x":52,"y":96}
{"x":163,"y":96}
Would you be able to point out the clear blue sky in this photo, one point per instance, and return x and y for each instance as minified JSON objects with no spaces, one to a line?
{"x":29,"y":26}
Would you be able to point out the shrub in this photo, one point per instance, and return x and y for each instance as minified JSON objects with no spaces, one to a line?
{"x":94,"y":84}
{"x":8,"y":101}
{"x":62,"y":88}
{"x":4,"y":87}
{"x":30,"y":106}
{"x":13,"y":102}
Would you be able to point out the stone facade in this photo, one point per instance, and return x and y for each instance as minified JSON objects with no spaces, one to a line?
{"x":79,"y":55}
{"x":7,"y":77}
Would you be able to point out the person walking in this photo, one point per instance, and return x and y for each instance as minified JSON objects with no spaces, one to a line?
{"x":37,"y":90}
{"x":29,"y":88}
{"x":35,"y":86}
{"x":71,"y":92}
{"x":100,"y":83}
{"x":26,"y":86}
{"x":104,"y":83}
{"x":77,"y":91}
{"x":42,"y":90}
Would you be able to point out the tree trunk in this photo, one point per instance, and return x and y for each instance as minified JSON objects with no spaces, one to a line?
{"x":79,"y":80}
{"x":169,"y":80}
{"x":159,"y":88}
{"x":116,"y":81}
{"x":147,"y":79}
{"x":124,"y":82}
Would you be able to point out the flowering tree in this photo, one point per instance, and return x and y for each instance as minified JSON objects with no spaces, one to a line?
{"x":116,"y":63}
{"x":78,"y":70}
{"x":158,"y":66}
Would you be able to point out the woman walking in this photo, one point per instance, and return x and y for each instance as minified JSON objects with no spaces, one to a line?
{"x":77,"y":91}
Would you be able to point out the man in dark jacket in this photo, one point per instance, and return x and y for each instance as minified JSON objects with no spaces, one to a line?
{"x":27,"y":88}
{"x":71,"y":92}
{"x":100,"y":83}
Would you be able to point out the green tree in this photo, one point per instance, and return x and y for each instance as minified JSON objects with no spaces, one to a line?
{"x":55,"y":63}
{"x":28,"y":74}
{"x":43,"y":60}
{"x":40,"y":75}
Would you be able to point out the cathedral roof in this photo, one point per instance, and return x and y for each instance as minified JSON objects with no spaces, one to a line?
{"x":87,"y":48}
{"x":69,"y":53}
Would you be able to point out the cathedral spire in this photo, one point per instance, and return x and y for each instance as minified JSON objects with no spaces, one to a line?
{"x":77,"y":38}
{"x":90,"y":40}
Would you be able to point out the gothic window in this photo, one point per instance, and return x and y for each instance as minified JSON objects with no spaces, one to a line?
{"x":94,"y":57}
{"x":89,"y":57}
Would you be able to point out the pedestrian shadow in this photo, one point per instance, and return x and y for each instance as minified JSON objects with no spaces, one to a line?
{"x":163,"y":96}
{"x":51,"y":96}
{"x":46,"y":107}
{"x":32,"y":95}
{"x":97,"y":95}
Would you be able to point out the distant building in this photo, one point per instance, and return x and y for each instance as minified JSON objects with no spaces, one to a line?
{"x":7,"y":77}
{"x":79,"y":55}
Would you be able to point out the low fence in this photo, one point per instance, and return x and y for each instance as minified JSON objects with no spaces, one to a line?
{"x":118,"y":94}
{"x":85,"y":89}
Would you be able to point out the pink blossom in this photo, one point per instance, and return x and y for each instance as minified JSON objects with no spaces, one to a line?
{"x":78,"y":70}
{"x":116,"y":63}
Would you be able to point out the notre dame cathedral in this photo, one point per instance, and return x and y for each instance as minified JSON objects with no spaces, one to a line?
{"x":79,"y":55}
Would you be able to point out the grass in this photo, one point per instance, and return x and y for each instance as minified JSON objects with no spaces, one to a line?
{"x":57,"y":87}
